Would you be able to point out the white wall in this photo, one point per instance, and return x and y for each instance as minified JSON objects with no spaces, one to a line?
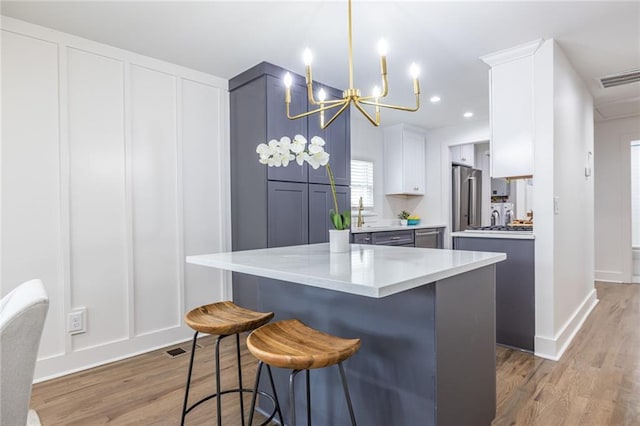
{"x":114,"y":167}
{"x":564,"y":251}
{"x":612,"y":159}
{"x":442,"y":138}
{"x":574,"y":223}
{"x":367,"y":143}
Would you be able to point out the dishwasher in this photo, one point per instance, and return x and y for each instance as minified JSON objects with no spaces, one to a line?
{"x":428,"y":238}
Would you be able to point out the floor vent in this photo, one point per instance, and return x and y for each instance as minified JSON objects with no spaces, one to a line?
{"x":626,"y":77}
{"x":175,"y":352}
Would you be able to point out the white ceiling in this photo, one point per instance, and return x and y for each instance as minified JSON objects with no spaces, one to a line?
{"x":445,"y":38}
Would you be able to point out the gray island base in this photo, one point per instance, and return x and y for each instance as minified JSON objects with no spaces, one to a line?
{"x":428,"y":352}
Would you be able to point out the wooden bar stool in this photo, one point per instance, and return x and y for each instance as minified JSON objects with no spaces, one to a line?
{"x":291,"y":344}
{"x":225,"y":319}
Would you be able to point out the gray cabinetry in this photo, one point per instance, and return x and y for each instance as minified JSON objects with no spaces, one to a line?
{"x":337,"y":138}
{"x":273,"y":206}
{"x":393,"y":238}
{"x":320,"y":202}
{"x":278,"y":125}
{"x":362,"y":238}
{"x":288,"y":218}
{"x":515,"y":288}
{"x":420,"y":237}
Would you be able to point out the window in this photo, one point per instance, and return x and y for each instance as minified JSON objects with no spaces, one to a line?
{"x":362,"y":183}
{"x":635,"y":194}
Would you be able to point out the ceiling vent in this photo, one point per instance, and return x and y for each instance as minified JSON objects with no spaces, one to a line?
{"x":626,"y":77}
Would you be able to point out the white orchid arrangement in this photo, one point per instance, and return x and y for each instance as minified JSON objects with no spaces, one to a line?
{"x":279,"y":153}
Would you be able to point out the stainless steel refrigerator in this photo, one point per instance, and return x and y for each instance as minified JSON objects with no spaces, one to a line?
{"x":466,"y":204}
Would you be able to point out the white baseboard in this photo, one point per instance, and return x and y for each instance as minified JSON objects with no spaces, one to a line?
{"x":609,"y":276}
{"x":79,"y":360}
{"x":553,"y":348}
{"x":635,"y":279}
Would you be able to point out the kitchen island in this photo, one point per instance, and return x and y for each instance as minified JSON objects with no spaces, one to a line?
{"x":426,"y":318}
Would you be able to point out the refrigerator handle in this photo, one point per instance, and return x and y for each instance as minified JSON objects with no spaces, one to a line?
{"x":473,"y":198}
{"x":455,"y":205}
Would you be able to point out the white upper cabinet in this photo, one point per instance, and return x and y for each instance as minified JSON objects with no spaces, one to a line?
{"x":511,"y":115}
{"x":463,"y":154}
{"x":404,"y":160}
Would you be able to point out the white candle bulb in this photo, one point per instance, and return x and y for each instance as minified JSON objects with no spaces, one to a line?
{"x":307,"y":56}
{"x":376,"y":92}
{"x":414,"y":70}
{"x":383,"y":47}
{"x":288,"y":80}
{"x":322,"y":95}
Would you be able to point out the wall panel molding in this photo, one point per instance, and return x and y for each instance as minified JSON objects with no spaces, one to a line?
{"x":118,"y":160}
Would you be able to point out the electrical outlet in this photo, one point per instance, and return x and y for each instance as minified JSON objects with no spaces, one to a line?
{"x":556,"y":205}
{"x":77,"y":321}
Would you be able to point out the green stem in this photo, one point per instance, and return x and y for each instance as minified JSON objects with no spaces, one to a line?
{"x":333,"y":188}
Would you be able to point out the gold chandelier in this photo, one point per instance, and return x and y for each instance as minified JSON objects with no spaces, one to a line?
{"x":350,"y":95}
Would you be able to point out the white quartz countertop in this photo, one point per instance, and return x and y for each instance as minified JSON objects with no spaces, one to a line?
{"x":511,"y":235}
{"x":381,"y":228}
{"x":367,"y":270}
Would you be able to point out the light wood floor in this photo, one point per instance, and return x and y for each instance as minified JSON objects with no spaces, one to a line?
{"x":597,"y":382}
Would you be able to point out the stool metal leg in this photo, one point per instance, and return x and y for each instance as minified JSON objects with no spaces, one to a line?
{"x":186,"y":391}
{"x":255,"y":393}
{"x":240,"y":379}
{"x":308,"y":398}
{"x":218,"y":399}
{"x":346,"y":394}
{"x":275,"y":396}
{"x":292,"y":396}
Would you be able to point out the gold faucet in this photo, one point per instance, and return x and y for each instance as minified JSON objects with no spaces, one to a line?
{"x":360,"y":218}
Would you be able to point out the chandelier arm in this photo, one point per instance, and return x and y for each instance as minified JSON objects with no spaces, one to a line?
{"x":331,"y":120}
{"x":398,"y":107}
{"x":308,"y":113}
{"x":331,"y":102}
{"x":365,"y":113}
{"x":385,"y":86}
{"x":310,"y":87}
{"x":350,"y":50}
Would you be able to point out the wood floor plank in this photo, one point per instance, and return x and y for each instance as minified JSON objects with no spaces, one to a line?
{"x":597,"y":381}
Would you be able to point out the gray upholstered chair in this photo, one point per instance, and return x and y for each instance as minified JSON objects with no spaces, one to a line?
{"x":22,"y":315}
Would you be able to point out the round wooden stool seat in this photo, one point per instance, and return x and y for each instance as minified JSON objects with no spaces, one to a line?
{"x":225,"y":318}
{"x":291,"y":344}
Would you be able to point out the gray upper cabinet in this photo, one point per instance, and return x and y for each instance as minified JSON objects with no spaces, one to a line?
{"x":270,"y":206}
{"x":288,"y":218}
{"x":278,"y":125}
{"x":338,"y":143}
{"x":320,"y":202}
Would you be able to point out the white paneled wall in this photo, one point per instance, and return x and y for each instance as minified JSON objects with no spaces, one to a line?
{"x":114,"y":167}
{"x":31,"y":191}
{"x":96,"y":195}
{"x":154,"y":175}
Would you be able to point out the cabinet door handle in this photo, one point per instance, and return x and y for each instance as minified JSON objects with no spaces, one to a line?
{"x":416,"y":188}
{"x":423,"y":234}
{"x":394,"y":238}
{"x":463,"y":159}
{"x":366,"y":239}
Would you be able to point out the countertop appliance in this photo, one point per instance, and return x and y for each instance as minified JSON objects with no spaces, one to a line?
{"x":429,"y":238}
{"x":466,"y":189}
{"x":501,"y":214}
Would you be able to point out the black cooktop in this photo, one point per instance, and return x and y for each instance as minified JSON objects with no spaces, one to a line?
{"x":501,"y":228}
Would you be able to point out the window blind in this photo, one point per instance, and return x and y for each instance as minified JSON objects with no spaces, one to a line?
{"x":362,"y":183}
{"x":635,"y":194}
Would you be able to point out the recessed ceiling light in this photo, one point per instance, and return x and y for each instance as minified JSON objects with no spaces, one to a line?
{"x":468,"y":114}
{"x":435,"y":99}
